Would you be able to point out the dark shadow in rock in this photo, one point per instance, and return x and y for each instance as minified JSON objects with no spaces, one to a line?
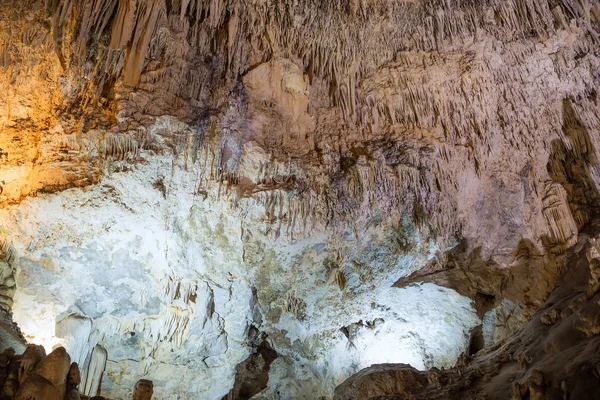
{"x":252,"y":375}
{"x":527,"y":281}
{"x":464,"y":271}
{"x":570,"y":164}
{"x":476,"y":343}
{"x":484,"y":303}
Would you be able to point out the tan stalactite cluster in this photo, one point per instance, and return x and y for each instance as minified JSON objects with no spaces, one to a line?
{"x":121,"y":147}
{"x":558,"y":216}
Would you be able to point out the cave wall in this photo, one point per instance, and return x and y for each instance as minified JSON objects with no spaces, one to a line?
{"x":439,"y":124}
{"x":169,"y":281}
{"x":334,"y":173}
{"x":553,"y":356}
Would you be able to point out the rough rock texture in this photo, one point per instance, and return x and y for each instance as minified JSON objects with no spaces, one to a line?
{"x":252,"y":376}
{"x":554,"y":356}
{"x":360,"y":181}
{"x":382,"y":380}
{"x":161,"y":307}
{"x":10,"y":335}
{"x":143,"y":390}
{"x":34,"y":375}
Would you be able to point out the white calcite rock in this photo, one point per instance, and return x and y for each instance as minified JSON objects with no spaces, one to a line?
{"x":140,"y":283}
{"x":160,"y":287}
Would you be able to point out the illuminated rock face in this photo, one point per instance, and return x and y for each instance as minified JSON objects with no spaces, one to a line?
{"x":555,"y":355}
{"x":141,"y":281}
{"x":184,"y":184}
{"x":171,"y":285}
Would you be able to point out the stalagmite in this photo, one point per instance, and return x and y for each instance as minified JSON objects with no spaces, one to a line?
{"x":29,"y":360}
{"x":143,"y":390}
{"x":48,"y":379}
{"x":73,"y":381}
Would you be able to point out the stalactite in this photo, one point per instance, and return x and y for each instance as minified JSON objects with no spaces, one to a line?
{"x":294,"y":306}
{"x":430,"y":97}
{"x":336,"y":59}
{"x":337,"y":277}
{"x":77,"y":332}
{"x":122,"y":147}
{"x":124,"y":24}
{"x":61,"y":12}
{"x":95,"y":366}
{"x":169,"y":327}
{"x":559,"y":220}
{"x":147,"y":18}
{"x":7,"y":276}
{"x":184,"y":291}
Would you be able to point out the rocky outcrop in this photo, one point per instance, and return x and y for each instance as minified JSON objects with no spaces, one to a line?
{"x":34,"y":375}
{"x":252,"y":375}
{"x":382,"y":380}
{"x":10,"y":335}
{"x":48,"y":379}
{"x":554,"y":356}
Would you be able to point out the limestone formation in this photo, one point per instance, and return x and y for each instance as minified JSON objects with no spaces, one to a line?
{"x":48,"y":379}
{"x":553,"y":356}
{"x":382,"y":380}
{"x":33,"y":375}
{"x":73,"y":381}
{"x":7,"y":287}
{"x":10,"y":335}
{"x":29,"y":360}
{"x":95,"y":366}
{"x":561,"y":224}
{"x":234,"y":198}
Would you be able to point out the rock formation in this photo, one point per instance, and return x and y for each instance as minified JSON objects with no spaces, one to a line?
{"x":235,"y":198}
{"x":48,"y":379}
{"x":37,"y":376}
{"x":143,"y":390}
{"x":554,"y":356}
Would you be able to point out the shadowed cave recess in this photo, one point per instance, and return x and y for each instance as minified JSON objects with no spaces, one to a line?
{"x":299,"y":199}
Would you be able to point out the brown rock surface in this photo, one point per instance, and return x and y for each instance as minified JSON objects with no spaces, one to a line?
{"x":143,"y":390}
{"x":454,"y":114}
{"x":48,"y":379}
{"x":33,"y":375}
{"x":379,"y":381}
